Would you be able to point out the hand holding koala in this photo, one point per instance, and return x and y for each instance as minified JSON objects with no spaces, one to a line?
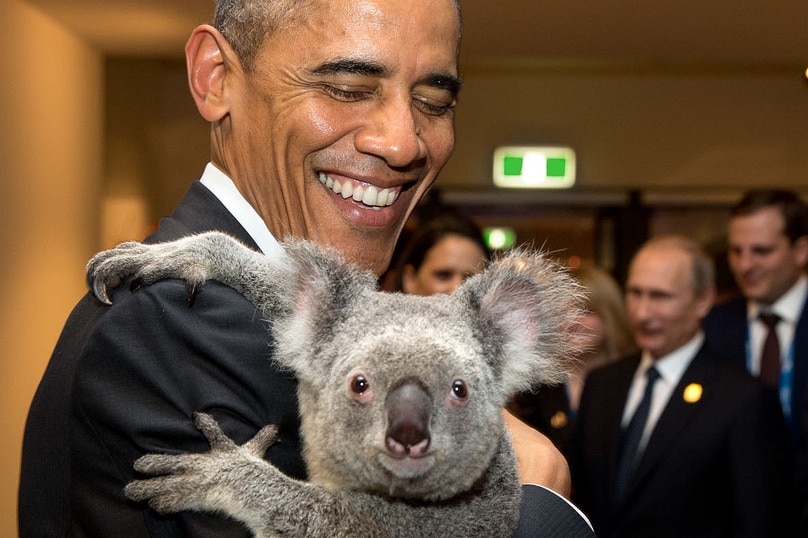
{"x":400,"y":396}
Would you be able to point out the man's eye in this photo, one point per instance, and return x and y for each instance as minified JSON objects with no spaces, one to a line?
{"x":342,"y":94}
{"x":432,"y":107}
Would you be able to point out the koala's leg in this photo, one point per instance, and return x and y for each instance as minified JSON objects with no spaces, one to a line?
{"x":236,"y":481}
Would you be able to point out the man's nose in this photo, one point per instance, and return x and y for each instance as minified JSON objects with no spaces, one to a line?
{"x":391,"y":132}
{"x":640,"y":308}
{"x":741,"y":260}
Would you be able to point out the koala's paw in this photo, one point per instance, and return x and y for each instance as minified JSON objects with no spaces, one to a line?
{"x":189,"y":258}
{"x":200,"y":481}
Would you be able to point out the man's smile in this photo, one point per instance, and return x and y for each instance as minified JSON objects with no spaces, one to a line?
{"x":365,"y":193}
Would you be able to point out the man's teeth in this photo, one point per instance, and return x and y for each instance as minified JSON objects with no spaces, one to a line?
{"x":367,"y":194}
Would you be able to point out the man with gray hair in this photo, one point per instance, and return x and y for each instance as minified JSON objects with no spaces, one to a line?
{"x":677,"y":440}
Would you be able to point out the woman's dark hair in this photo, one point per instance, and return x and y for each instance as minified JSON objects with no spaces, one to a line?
{"x":430,"y":232}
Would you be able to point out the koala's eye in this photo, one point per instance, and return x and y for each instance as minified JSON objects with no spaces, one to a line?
{"x":359,"y":384}
{"x":360,"y":388}
{"x":459,"y":389}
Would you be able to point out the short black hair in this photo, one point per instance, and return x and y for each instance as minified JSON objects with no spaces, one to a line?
{"x":793,"y":209}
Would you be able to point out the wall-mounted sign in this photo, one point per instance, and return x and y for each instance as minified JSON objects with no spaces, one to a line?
{"x":534,"y":167}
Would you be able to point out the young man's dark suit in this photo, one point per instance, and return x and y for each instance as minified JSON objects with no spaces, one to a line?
{"x":726,"y":329}
{"x":713,"y":467}
{"x":118,"y":374}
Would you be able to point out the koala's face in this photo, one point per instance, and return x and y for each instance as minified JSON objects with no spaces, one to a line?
{"x":401,"y":400}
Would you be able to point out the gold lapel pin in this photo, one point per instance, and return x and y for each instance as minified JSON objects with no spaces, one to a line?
{"x":692,"y":393}
{"x":559,"y":420}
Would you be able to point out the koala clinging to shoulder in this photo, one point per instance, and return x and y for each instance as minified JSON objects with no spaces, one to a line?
{"x":401,"y":396}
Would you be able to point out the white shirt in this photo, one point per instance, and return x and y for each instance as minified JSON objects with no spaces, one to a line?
{"x":789,"y":308}
{"x":225,"y":190}
{"x":671,"y":368}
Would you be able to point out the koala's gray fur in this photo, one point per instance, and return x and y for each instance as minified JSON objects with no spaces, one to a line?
{"x":401,"y":396}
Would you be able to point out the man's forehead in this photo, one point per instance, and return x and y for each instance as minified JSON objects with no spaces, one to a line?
{"x":756,"y":228}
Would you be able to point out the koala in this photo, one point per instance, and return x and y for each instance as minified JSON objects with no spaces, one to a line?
{"x":401,"y":397}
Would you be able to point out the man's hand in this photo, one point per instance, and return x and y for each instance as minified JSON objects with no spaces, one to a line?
{"x":540,"y":462}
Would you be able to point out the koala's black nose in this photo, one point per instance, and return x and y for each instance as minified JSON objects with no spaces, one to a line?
{"x":408,"y":412}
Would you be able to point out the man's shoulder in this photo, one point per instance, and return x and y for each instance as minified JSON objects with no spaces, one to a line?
{"x":732,"y":308}
{"x":729,"y":378}
{"x":725,"y":324}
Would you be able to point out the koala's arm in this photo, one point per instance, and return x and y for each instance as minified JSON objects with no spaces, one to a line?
{"x":235,"y":481}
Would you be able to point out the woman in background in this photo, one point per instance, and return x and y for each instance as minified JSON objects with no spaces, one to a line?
{"x":440,"y":254}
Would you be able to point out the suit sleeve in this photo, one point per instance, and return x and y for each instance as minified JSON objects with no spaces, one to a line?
{"x":546,"y":514}
{"x":150,"y":362}
{"x":758,"y":456}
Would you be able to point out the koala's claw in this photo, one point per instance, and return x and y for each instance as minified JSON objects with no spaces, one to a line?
{"x":102,"y":273}
{"x":99,"y":288}
{"x":193,"y":288}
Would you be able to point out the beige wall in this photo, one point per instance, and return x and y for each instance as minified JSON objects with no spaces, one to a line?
{"x":50,"y":163}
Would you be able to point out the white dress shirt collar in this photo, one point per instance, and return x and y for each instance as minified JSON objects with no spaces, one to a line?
{"x":788,"y":306}
{"x":225,"y":190}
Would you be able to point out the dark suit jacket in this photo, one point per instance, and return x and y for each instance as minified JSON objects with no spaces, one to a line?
{"x":715,"y":467}
{"x":124,"y":380}
{"x":726,"y":329}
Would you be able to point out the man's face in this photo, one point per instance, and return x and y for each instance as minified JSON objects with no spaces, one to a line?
{"x":762,"y":259}
{"x":662,"y":308}
{"x":345,"y":122}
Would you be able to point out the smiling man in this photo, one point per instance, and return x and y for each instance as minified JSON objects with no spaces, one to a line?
{"x":768,"y":254}
{"x":329,"y":121}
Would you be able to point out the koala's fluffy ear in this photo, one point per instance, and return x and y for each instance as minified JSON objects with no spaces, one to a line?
{"x":525,"y":308}
{"x":321,"y":285}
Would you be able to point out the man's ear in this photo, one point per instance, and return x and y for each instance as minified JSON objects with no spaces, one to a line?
{"x":800,"y":248}
{"x":706,"y":301}
{"x":209,"y":59}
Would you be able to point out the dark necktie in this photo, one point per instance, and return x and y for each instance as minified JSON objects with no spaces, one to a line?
{"x":632,"y":435}
{"x":770,"y":357}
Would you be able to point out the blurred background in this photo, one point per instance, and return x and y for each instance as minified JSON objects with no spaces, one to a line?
{"x":672,"y":109}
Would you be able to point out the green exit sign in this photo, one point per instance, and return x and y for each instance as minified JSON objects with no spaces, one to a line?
{"x":534,"y":167}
